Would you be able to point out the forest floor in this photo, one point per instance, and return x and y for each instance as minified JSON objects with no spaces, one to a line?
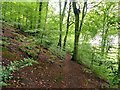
{"x":50,"y":72}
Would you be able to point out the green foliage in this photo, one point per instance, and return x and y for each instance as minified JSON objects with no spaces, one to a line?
{"x":6,"y":71}
{"x":44,"y":42}
{"x":33,"y":31}
{"x":30,"y":49}
{"x":4,"y":41}
{"x":85,"y":53}
{"x":58,"y":52}
{"x":29,"y":46}
{"x":25,"y":17}
{"x":105,"y":67}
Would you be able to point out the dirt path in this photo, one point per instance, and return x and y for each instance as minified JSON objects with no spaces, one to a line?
{"x":47,"y":75}
{"x":78,"y":76}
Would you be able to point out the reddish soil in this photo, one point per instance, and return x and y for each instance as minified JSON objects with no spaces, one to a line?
{"x":51,"y":73}
{"x":11,"y":51}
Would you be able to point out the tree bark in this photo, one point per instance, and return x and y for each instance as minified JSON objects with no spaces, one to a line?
{"x":76,"y":39}
{"x":40,"y":9}
{"x":119,"y":59}
{"x":119,"y":44}
{"x":78,"y":28}
{"x":18,"y":26}
{"x":68,"y":24}
{"x":62,"y":13}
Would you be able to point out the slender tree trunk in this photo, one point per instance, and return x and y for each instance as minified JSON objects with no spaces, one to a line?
{"x":60,"y":35}
{"x":104,"y":35}
{"x":84,"y":11}
{"x":119,"y":44}
{"x":40,"y":9}
{"x":10,"y":11}
{"x":26,"y":22}
{"x":68,"y":24}
{"x":36,"y":16}
{"x":14,"y":19}
{"x":61,"y":14}
{"x":31,"y":20}
{"x":119,"y":59}
{"x":18,"y":17}
{"x":44,"y":28}
{"x":102,"y":43}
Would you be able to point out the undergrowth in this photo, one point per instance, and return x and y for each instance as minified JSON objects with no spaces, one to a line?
{"x":106,"y":69}
{"x":6,"y":71}
{"x":58,"y":52}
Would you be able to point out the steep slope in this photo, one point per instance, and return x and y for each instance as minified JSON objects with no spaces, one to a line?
{"x":50,"y":71}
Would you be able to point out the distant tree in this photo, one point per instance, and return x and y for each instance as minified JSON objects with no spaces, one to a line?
{"x":108,"y":21}
{"x":119,"y":45}
{"x":40,"y":9}
{"x":31,"y":20}
{"x":44,"y":28}
{"x":119,"y":59}
{"x":18,"y":16}
{"x":105,"y":30}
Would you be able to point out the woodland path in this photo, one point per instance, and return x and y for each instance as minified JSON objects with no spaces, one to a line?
{"x":46,"y":75}
{"x":48,"y":72}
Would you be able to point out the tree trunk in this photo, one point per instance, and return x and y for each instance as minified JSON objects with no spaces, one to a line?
{"x":36,"y":16}
{"x":76,"y":39}
{"x":68,"y":24}
{"x":18,"y":26}
{"x":40,"y":9}
{"x":44,"y":28}
{"x":61,"y":21}
{"x":75,"y":52}
{"x":10,"y":11}
{"x":31,"y":21}
{"x":103,"y":44}
{"x":77,"y":28}
{"x":60,"y":35}
{"x":119,"y":45}
{"x":119,"y":59}
{"x":104,"y":35}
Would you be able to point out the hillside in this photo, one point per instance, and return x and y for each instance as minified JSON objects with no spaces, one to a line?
{"x":50,"y":71}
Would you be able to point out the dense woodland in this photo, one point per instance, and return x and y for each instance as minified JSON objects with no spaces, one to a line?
{"x":87,"y":31}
